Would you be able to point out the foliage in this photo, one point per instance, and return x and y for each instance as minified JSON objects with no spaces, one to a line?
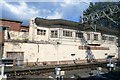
{"x":103,"y":6}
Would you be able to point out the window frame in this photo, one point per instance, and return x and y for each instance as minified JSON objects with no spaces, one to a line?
{"x":54,"y":34}
{"x":67,"y":33}
{"x":96,"y":37}
{"x":41,"y":32}
{"x":88,"y":36}
{"x":104,"y":37}
{"x":79,"y":35}
{"x":111,"y":38}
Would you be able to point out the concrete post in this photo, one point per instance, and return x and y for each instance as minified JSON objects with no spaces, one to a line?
{"x":2,"y":69}
{"x":119,"y":44}
{"x":57,"y":73}
{"x":1,"y":41}
{"x":119,"y":48}
{"x":31,"y":30}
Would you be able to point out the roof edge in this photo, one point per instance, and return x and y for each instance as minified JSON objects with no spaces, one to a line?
{"x":10,"y":20}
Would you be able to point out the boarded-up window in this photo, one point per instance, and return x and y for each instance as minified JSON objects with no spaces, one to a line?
{"x":19,"y":56}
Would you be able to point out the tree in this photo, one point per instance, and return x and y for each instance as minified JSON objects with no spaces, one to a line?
{"x":104,"y":14}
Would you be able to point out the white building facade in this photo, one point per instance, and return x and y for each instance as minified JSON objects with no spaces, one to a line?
{"x":55,"y":42}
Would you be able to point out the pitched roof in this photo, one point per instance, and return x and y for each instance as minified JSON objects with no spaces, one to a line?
{"x":49,"y":22}
{"x":78,"y":25}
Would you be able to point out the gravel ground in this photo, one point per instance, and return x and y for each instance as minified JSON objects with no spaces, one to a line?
{"x":69,"y":75}
{"x":81,"y":74}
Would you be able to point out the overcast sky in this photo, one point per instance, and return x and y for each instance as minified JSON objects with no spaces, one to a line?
{"x":24,"y":10}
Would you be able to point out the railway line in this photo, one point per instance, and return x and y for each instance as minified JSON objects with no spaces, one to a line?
{"x":47,"y":69}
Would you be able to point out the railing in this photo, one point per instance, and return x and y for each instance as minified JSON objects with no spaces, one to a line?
{"x":14,"y":35}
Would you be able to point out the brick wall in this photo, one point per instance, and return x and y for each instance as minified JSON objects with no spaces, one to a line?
{"x":13,"y":25}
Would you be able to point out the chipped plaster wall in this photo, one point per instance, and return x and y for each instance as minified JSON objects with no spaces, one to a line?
{"x":52,"y":52}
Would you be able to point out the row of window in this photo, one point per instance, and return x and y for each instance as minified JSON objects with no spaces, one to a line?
{"x":54,"y":34}
{"x":108,"y":38}
{"x":103,"y":37}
